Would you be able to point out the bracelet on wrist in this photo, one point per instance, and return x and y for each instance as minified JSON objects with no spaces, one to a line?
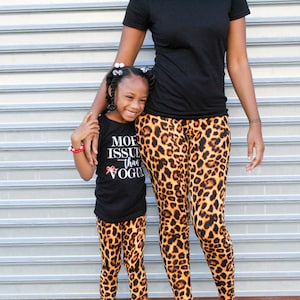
{"x":76,"y":150}
{"x":252,"y":121}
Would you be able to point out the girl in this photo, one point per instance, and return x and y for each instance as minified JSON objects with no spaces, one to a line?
{"x":120,"y":185}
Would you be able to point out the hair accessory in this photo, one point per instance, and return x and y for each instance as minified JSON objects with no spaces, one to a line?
{"x":76,"y":150}
{"x":119,"y":65}
{"x":117,"y":72}
{"x":111,"y":107}
{"x":144,"y":69}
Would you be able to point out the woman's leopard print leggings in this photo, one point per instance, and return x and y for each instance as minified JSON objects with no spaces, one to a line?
{"x":128,"y":236}
{"x":188,"y":159}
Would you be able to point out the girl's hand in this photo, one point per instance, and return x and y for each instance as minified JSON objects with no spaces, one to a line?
{"x":88,"y":127}
{"x":255,"y":145}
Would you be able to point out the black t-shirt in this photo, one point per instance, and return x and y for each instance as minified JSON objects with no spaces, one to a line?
{"x":120,"y":184}
{"x":190,"y":43}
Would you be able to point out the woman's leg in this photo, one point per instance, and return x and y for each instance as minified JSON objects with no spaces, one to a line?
{"x":110,"y":237}
{"x":133,"y":247}
{"x":163,"y":149}
{"x":209,"y":156}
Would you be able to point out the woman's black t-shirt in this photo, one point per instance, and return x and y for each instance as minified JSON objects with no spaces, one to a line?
{"x":120,"y":184}
{"x":190,"y":43}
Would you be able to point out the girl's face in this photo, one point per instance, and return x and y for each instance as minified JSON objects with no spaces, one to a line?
{"x":130,"y":98}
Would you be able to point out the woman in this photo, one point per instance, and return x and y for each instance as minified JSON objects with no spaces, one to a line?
{"x":184,"y":136}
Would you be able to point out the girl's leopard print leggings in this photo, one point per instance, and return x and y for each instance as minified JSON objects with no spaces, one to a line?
{"x":187,"y":161}
{"x":127,"y":236}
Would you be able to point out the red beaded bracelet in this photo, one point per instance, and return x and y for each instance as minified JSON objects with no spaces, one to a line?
{"x":73,"y":150}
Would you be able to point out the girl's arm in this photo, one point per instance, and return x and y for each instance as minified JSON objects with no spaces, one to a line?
{"x":241,"y":77}
{"x":130,"y":44}
{"x":88,"y":126}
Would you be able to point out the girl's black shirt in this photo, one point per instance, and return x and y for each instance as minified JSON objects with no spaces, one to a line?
{"x":120,"y":184}
{"x":190,"y":40}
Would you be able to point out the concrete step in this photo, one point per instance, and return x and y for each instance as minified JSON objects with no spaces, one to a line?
{"x":275,"y":165}
{"x":63,"y":8}
{"x":273,"y":47}
{"x":15,"y":35}
{"x":37,"y":112}
{"x":88,"y":245}
{"x":50,"y":208}
{"x":49,"y":98}
{"x":67,"y":53}
{"x":238,"y":224}
{"x":258,"y":8}
{"x":74,"y":28}
{"x":39,"y":131}
{"x":267,"y":26}
{"x":61,"y":130}
{"x":271,"y":87}
{"x":270,"y":184}
{"x":288,"y":125}
{"x":280,"y":106}
{"x":49,"y":107}
{"x":276,"y":8}
{"x":54,"y":77}
{"x":274,"y":67}
{"x":60,"y":84}
{"x":63,"y":52}
{"x":55,"y":265}
{"x":264,"y":87}
{"x":65,"y":169}
{"x":60,"y":14}
{"x":84,"y":245}
{"x":269,"y":204}
{"x":275,"y":146}
{"x":202,"y":283}
{"x":83,"y":207}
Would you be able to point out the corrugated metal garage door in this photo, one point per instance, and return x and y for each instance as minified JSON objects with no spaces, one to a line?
{"x":52,"y":57}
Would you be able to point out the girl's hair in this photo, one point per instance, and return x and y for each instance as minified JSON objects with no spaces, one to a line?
{"x":117,"y":74}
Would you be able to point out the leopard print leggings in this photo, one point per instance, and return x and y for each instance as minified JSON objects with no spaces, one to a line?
{"x":128,"y":236}
{"x":187,"y":161}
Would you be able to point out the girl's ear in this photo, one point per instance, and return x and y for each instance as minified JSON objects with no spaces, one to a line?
{"x":109,"y":91}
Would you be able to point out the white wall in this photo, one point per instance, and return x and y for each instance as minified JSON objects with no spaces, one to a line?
{"x":53,"y":56}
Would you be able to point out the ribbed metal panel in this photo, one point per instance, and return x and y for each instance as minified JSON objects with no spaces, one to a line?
{"x":52,"y":59}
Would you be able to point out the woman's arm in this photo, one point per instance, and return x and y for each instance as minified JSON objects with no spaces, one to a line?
{"x":241,"y":77}
{"x":88,"y":126}
{"x":129,"y":47}
{"x":130,"y":44}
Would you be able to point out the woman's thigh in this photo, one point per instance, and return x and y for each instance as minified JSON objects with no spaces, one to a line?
{"x":164,"y":151}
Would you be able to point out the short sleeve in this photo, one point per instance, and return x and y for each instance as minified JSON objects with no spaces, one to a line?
{"x":239,"y":9}
{"x":137,"y":14}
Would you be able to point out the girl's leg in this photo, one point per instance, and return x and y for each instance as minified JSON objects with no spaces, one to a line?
{"x":133,"y":247}
{"x":163,"y":150}
{"x":209,"y":156}
{"x":110,"y":236}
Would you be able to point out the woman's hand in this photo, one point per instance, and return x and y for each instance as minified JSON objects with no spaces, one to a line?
{"x":91,"y":148}
{"x":89,"y":127}
{"x":90,"y":136}
{"x":256,"y":145}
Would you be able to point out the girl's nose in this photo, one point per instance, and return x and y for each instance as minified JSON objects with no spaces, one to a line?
{"x":135,"y":104}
